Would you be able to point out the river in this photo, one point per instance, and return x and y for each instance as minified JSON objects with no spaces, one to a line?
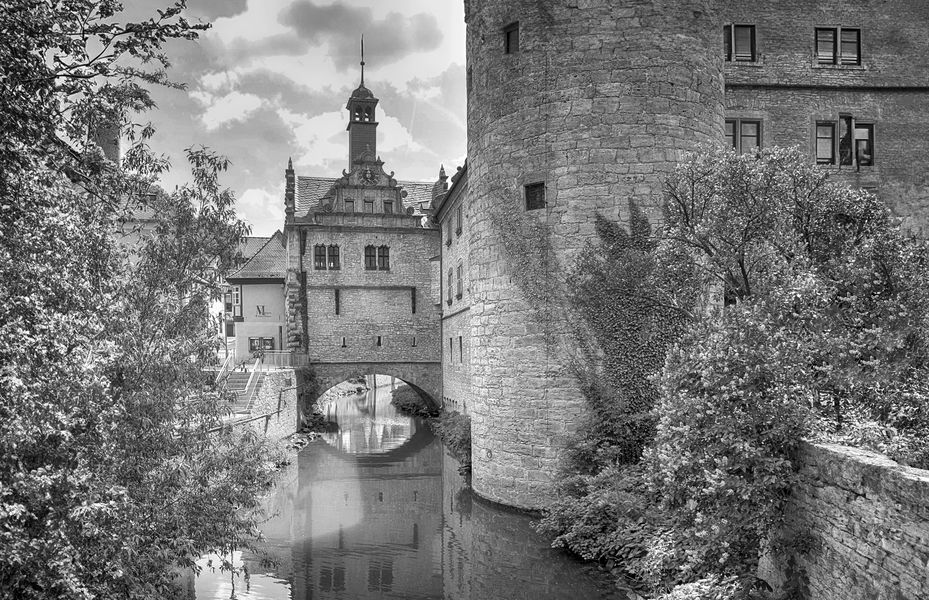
{"x":378,"y":509}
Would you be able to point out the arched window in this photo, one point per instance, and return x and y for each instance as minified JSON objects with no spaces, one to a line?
{"x":370,"y":258}
{"x":383,"y":258}
{"x":319,"y":257}
{"x":334,"y":257}
{"x":369,"y":116}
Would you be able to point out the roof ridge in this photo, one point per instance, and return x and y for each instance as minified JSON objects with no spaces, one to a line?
{"x":276,"y":233}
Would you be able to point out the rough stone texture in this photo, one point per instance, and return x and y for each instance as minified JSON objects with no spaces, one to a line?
{"x":869,"y":520}
{"x":456,"y":335}
{"x":600,"y":101}
{"x":789,"y":91}
{"x":277,"y":398}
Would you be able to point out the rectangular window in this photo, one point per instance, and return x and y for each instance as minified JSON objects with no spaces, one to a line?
{"x":267,"y":343}
{"x":370,"y":258}
{"x":388,"y":207}
{"x":334,"y":257}
{"x":319,"y":257}
{"x":460,"y":289}
{"x":838,"y":46}
{"x":349,"y":205}
{"x":338,"y":302}
{"x":383,"y":258}
{"x":743,"y":134}
{"x":369,"y":206}
{"x":825,"y":143}
{"x":343,"y":343}
{"x":227,"y":302}
{"x":254,"y":344}
{"x":458,"y":220}
{"x":845,"y":140}
{"x":378,"y":341}
{"x":864,"y":144}
{"x":451,"y":350}
{"x":449,"y":288}
{"x":739,"y":43}
{"x":535,"y":196}
{"x":511,"y":38}
{"x":460,"y":350}
{"x":413,"y":300}
{"x":414,"y":341}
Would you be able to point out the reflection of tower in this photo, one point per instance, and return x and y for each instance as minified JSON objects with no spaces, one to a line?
{"x":571,"y":111}
{"x":370,"y":524}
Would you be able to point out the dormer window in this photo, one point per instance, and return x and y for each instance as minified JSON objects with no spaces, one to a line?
{"x":388,"y":207}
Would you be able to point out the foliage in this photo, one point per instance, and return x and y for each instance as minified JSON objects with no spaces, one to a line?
{"x":109,"y":476}
{"x":410,"y":402}
{"x":629,"y":314}
{"x":827,"y":320}
{"x":455,"y":430}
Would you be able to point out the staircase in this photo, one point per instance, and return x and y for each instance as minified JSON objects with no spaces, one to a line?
{"x":238,"y":383}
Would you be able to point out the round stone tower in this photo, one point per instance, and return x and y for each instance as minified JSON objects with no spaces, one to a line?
{"x":574,"y":107}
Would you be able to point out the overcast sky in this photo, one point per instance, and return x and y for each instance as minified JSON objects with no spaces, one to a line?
{"x":270,"y":80}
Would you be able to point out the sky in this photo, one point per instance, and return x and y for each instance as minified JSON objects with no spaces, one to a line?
{"x":269,"y":81}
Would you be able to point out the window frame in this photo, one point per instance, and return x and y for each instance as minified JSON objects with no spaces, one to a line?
{"x":839,"y":56}
{"x":511,"y":38}
{"x":383,"y":258}
{"x":729,"y":43}
{"x":370,"y":257}
{"x":319,"y":257}
{"x":853,"y":125}
{"x":531,"y":201}
{"x":459,"y":290}
{"x":368,"y":206}
{"x":738,"y":136}
{"x":458,"y":220}
{"x":449,"y":287}
{"x":348,"y":205}
{"x":388,"y":207}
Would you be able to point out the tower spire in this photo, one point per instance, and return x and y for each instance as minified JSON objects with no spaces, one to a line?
{"x":362,"y":59}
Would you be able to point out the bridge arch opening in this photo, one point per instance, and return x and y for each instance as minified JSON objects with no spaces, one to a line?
{"x":364,"y":420}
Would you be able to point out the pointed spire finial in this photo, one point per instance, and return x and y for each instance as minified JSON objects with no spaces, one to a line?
{"x":290,"y":164}
{"x":442,"y":175}
{"x":362,"y":59}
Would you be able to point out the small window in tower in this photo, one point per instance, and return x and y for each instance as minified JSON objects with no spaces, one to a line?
{"x":535,"y":196}
{"x":458,"y":220}
{"x":338,"y":302}
{"x":319,"y":257}
{"x":449,"y":288}
{"x":369,"y":114}
{"x":378,"y":341}
{"x":414,"y":341}
{"x":460,"y":350}
{"x":460,"y":289}
{"x":413,"y":300}
{"x":343,"y":343}
{"x":383,"y":258}
{"x":370,"y":258}
{"x":468,"y":84}
{"x":511,"y":38}
{"x":358,"y":113}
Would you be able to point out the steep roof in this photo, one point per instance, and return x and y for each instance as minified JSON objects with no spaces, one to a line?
{"x":250,"y":245}
{"x":269,"y":262}
{"x":310,"y":190}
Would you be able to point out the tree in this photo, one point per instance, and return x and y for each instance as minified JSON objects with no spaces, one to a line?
{"x":111,"y":472}
{"x":826,"y":326}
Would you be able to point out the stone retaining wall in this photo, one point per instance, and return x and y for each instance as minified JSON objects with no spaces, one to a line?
{"x":868,"y":518}
{"x":277,"y":393}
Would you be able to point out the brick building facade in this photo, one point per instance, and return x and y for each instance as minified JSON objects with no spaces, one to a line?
{"x":576,"y":107}
{"x":450,"y":211}
{"x":359,"y":275}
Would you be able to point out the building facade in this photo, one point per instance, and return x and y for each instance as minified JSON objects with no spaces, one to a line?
{"x":450,"y":212}
{"x":576,"y":108}
{"x":359,"y":269}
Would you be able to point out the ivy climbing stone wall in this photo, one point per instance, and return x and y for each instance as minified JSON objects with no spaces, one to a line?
{"x":866,"y":520}
{"x":598,"y":103}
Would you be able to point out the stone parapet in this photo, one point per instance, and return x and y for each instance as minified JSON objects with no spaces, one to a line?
{"x":867,"y":520}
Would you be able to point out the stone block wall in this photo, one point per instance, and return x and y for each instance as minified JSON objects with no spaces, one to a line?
{"x":598,"y":104}
{"x":868,"y":518}
{"x":277,"y":393}
{"x":456,"y":334}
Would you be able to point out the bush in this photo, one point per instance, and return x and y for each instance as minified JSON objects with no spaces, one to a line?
{"x":454,"y":429}
{"x":410,"y":402}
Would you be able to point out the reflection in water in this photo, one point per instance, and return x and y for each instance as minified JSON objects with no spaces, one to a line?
{"x":385,"y":514}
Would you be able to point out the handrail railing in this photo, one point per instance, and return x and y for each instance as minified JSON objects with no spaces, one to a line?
{"x":252,"y":384}
{"x":224,"y":368}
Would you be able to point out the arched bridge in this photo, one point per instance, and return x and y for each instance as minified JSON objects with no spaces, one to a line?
{"x":424,"y":377}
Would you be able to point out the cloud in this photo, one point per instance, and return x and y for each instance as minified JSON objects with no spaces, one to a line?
{"x":214,"y":9}
{"x":234,"y":106}
{"x":263,"y":209}
{"x":388,"y":39}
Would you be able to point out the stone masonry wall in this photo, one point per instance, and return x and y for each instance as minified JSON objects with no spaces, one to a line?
{"x":789,"y":91}
{"x":600,"y":101}
{"x":456,"y":335}
{"x":277,"y":393}
{"x":869,"y":521}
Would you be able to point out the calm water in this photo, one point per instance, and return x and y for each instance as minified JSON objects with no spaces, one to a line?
{"x":378,"y":510}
